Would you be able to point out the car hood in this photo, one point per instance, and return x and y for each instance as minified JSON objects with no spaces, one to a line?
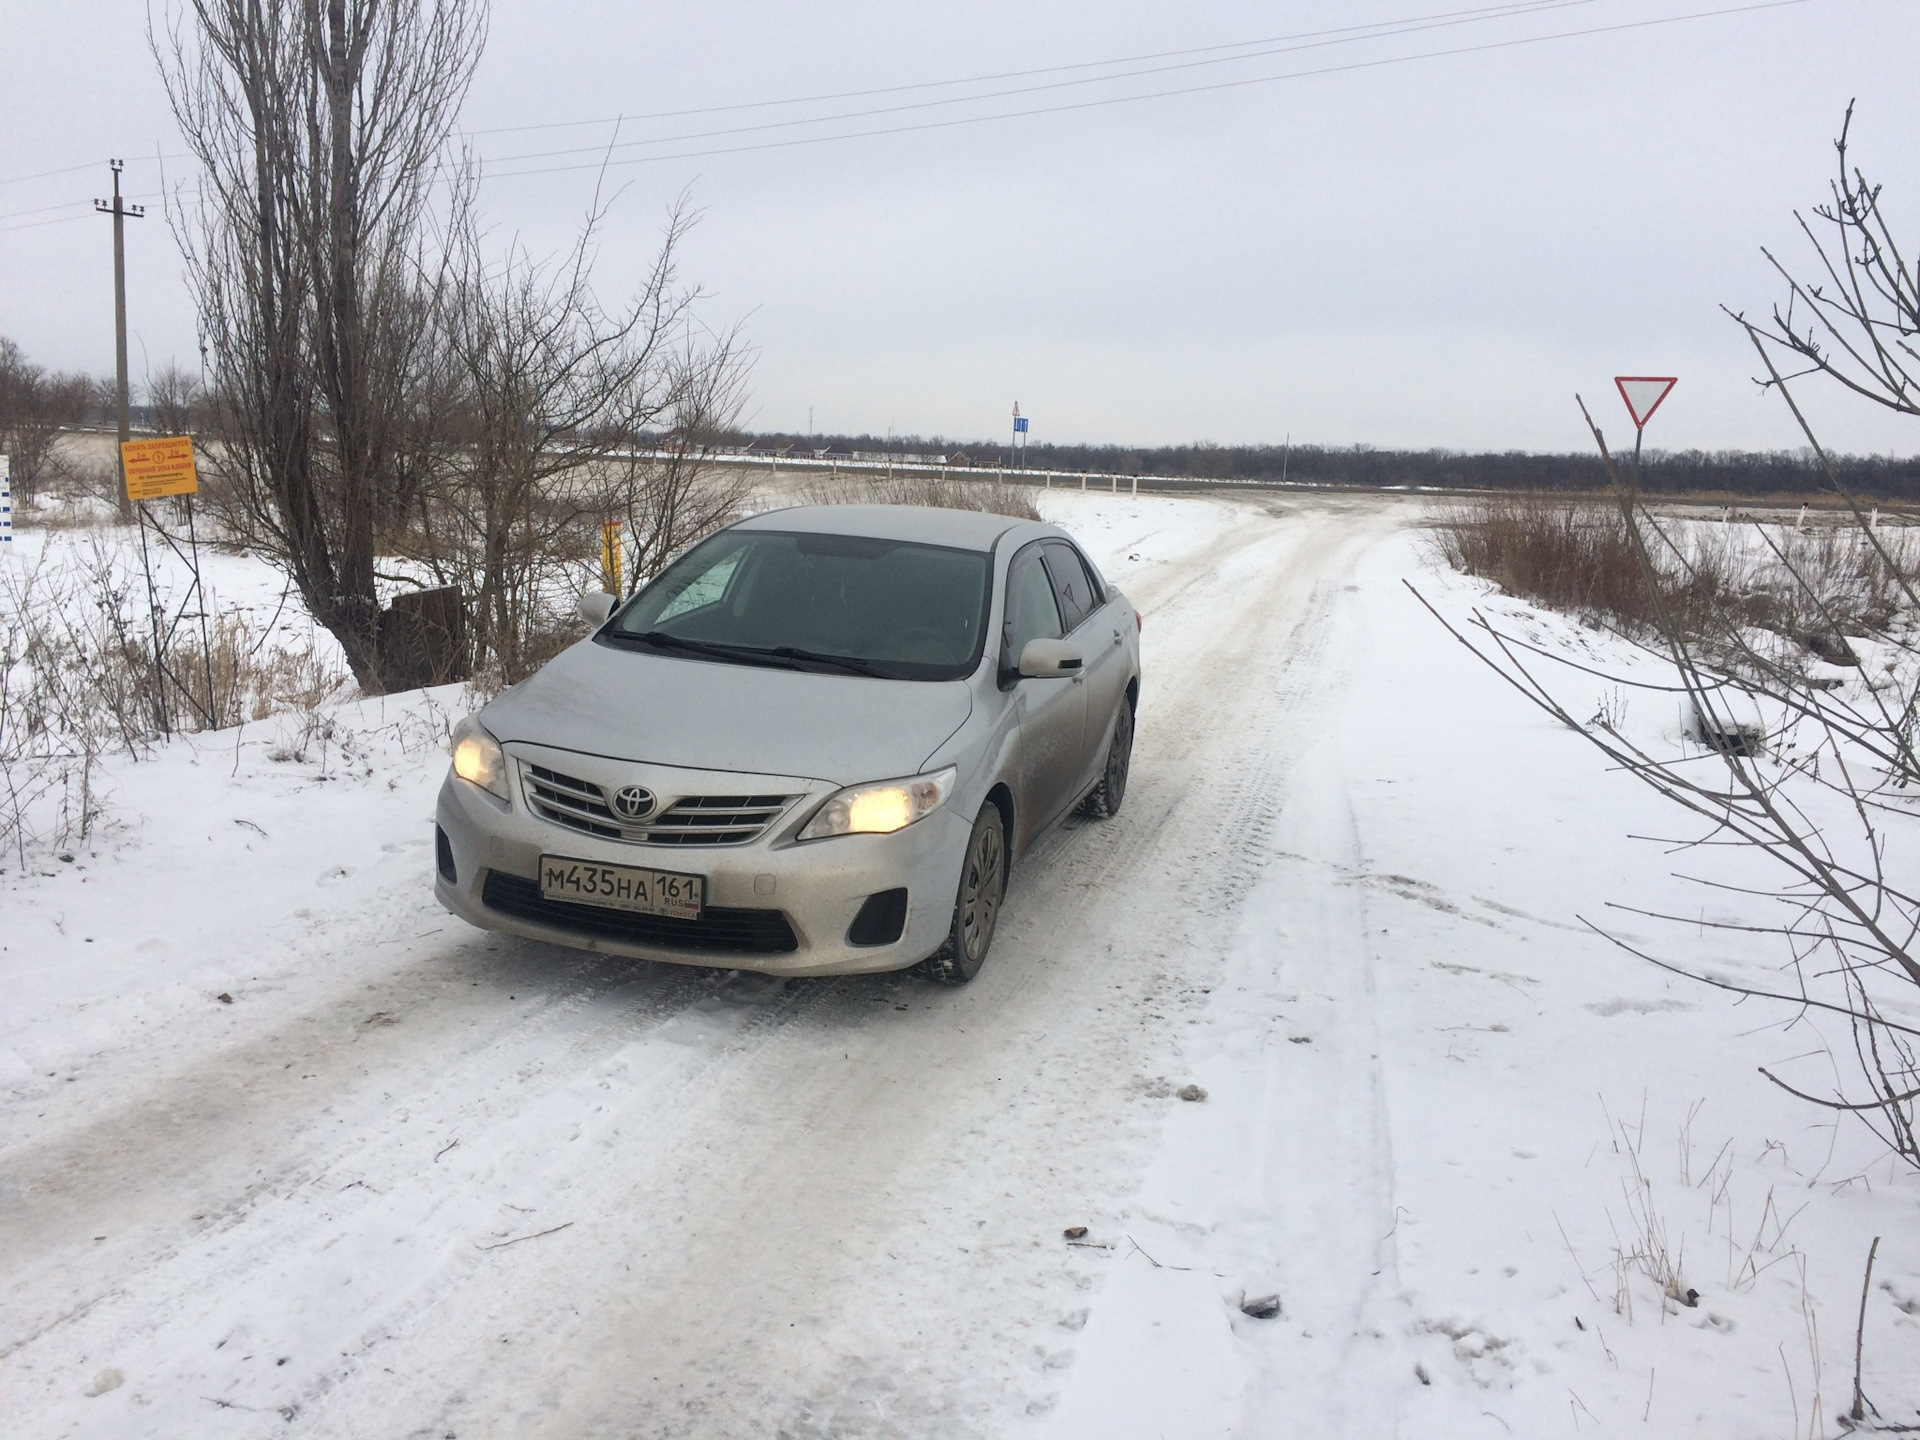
{"x":707,"y":715}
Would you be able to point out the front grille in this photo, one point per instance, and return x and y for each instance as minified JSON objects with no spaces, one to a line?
{"x":577,"y":804}
{"x":692,"y":820}
{"x":716,"y":819}
{"x":718,"y":930}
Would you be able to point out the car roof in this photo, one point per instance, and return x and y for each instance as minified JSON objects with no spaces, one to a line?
{"x":960,"y":529}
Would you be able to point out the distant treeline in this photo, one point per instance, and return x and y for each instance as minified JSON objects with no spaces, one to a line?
{"x":1729,"y":472}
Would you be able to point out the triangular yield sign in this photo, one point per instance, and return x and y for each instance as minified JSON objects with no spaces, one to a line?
{"x":1643,"y":394}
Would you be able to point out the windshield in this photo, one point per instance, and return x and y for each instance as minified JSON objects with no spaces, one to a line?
{"x":839,"y":603}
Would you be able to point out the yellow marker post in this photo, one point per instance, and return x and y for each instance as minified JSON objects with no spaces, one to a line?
{"x":610,"y":557}
{"x":153,"y":470}
{"x":158,"y":468}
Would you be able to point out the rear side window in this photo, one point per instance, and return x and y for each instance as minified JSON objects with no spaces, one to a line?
{"x":1032,"y":613}
{"x":1079,"y":597}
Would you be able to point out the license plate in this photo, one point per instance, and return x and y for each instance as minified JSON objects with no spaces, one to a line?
{"x":622,"y":887}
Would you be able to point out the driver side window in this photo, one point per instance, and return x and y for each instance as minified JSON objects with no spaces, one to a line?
{"x":1032,"y":613}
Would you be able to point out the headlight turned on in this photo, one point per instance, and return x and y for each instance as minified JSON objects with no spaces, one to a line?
{"x":478,"y":759}
{"x":881,"y":808}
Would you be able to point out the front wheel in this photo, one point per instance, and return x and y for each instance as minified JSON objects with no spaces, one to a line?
{"x":976,"y":908}
{"x":1112,"y":789}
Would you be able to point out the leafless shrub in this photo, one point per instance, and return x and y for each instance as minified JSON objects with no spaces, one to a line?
{"x":1811,"y":639}
{"x":1653,"y":1241}
{"x":241,"y":677}
{"x":1812,"y":585}
{"x":1569,"y":555}
{"x":1858,"y":321}
{"x":1828,"y":798}
{"x":942,"y":492}
{"x":84,"y":485}
{"x":78,"y":682}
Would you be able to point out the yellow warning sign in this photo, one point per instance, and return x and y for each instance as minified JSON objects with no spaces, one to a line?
{"x":158,"y":468}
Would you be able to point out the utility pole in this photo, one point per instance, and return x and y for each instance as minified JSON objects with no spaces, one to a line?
{"x":121,"y":213}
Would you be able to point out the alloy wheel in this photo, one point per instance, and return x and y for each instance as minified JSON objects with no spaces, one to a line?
{"x":982,"y":891}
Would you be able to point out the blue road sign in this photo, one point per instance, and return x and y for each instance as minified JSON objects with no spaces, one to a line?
{"x":1020,"y":424}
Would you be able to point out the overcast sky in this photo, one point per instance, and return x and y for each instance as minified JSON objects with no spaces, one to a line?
{"x":1436,"y":250}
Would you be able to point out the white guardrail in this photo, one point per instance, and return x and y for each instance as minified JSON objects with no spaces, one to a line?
{"x":1046,"y":479}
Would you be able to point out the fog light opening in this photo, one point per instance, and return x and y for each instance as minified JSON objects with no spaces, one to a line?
{"x":881,"y":921}
{"x":443,"y":856}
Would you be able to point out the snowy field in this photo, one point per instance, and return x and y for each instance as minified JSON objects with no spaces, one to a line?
{"x":286,"y":1149}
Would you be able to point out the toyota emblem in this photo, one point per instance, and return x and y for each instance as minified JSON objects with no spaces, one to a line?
{"x":633,"y":802}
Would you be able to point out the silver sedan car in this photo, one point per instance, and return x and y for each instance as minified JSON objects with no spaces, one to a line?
{"x":814,"y":745}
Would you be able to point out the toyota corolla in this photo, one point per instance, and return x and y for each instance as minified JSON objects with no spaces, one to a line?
{"x":814,"y":745}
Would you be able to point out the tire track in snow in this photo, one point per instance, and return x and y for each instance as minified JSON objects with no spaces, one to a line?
{"x":259,"y":1149}
{"x":766,"y":1235}
{"x":726,"y":1368}
{"x":1229,"y":1204}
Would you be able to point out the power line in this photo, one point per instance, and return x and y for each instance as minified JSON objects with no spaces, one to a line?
{"x":1518,"y":7}
{"x":45,"y":174}
{"x":1407,"y":26}
{"x":74,"y":205}
{"x":1162,"y":94}
{"x":1387,"y":27}
{"x":1401,"y":28}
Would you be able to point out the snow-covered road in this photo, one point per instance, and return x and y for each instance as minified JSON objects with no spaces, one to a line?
{"x":286,"y":1149}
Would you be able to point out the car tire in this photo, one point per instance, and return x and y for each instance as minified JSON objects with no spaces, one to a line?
{"x":976,"y":905}
{"x":1112,"y":788}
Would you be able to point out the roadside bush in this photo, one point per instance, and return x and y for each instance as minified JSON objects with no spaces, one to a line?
{"x":78,"y":682}
{"x":1812,"y":584}
{"x":1569,"y":555}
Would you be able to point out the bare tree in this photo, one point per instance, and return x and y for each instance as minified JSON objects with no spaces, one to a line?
{"x":670,"y":494}
{"x":35,"y":405}
{"x":548,"y":401}
{"x":317,"y":125}
{"x":175,"y":400}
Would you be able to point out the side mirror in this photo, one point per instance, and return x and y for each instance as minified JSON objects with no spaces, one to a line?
{"x":1050,"y":659}
{"x":596,"y":606}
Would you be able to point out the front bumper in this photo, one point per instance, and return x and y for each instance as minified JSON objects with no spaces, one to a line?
{"x":816,"y":888}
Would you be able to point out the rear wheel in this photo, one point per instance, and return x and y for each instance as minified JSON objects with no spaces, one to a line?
{"x":1112,"y":789}
{"x":976,"y":908}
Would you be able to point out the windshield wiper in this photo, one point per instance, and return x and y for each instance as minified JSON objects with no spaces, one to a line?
{"x":844,"y":662}
{"x":747,"y":654}
{"x":788,"y":656}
